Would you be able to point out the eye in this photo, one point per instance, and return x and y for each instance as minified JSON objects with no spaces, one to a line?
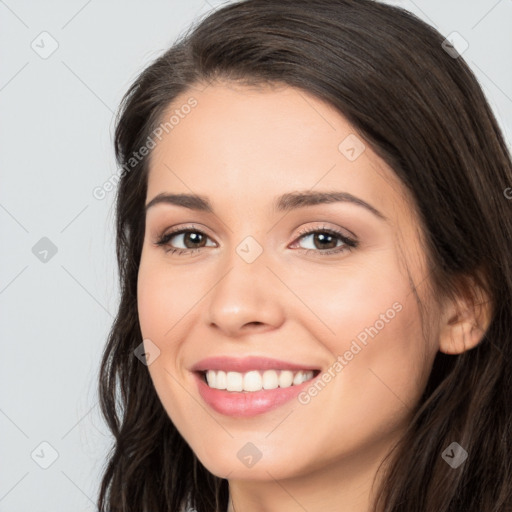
{"x":326,"y":241}
{"x":190,"y":238}
{"x":323,"y":241}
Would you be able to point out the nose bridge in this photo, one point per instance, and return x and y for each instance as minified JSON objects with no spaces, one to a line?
{"x":245,"y":292}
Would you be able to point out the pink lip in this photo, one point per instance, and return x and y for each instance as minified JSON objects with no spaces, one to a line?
{"x":246,"y":364}
{"x":244,"y":403}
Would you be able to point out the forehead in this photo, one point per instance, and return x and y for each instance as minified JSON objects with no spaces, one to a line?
{"x":247,"y":145}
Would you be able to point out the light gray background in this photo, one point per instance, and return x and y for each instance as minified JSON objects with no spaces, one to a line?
{"x":56,"y":131}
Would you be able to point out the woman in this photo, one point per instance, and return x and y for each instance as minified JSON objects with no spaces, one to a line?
{"x":314,"y":243}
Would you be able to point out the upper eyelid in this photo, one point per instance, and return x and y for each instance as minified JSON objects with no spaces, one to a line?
{"x":337,"y":231}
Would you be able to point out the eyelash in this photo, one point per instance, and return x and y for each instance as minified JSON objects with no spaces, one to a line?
{"x":349,"y":243}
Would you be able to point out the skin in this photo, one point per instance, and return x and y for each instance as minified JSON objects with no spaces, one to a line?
{"x":242,"y":147}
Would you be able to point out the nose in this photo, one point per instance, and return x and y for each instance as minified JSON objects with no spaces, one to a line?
{"x":247,"y":297}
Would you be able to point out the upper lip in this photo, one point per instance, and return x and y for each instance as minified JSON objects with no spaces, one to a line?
{"x":245,"y":364}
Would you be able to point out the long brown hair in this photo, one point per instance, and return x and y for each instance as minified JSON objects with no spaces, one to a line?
{"x":422,"y":111}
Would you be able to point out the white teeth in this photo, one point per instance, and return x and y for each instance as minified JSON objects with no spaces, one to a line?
{"x":221,"y":381}
{"x":270,"y":380}
{"x":255,"y":380}
{"x":252,"y":381}
{"x":234,"y":381}
{"x":211,"y":377}
{"x":285,"y":379}
{"x":297,"y":379}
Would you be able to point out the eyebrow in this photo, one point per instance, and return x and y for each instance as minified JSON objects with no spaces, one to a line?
{"x":284,"y":203}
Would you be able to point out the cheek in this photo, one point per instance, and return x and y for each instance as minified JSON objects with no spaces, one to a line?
{"x":165,"y":301}
{"x":370,"y":317}
{"x":162,"y":298}
{"x":350,"y":302}
{"x":162,"y":306}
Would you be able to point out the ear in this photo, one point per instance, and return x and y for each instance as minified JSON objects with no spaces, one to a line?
{"x":465,"y":318}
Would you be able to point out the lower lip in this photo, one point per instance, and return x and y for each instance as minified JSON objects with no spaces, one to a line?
{"x":248,"y":403}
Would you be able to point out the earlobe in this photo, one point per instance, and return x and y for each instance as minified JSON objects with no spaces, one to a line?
{"x":465,"y":321}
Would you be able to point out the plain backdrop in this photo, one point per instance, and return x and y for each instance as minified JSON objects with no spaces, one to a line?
{"x":64,"y":68}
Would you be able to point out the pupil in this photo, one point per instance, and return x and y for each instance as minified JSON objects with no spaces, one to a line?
{"x":195,"y":238}
{"x":325,"y":238}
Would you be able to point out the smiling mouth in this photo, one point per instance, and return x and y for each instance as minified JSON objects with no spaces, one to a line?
{"x":256,"y":380}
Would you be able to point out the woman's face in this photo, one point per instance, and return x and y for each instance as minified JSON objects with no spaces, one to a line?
{"x":318,"y":282}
